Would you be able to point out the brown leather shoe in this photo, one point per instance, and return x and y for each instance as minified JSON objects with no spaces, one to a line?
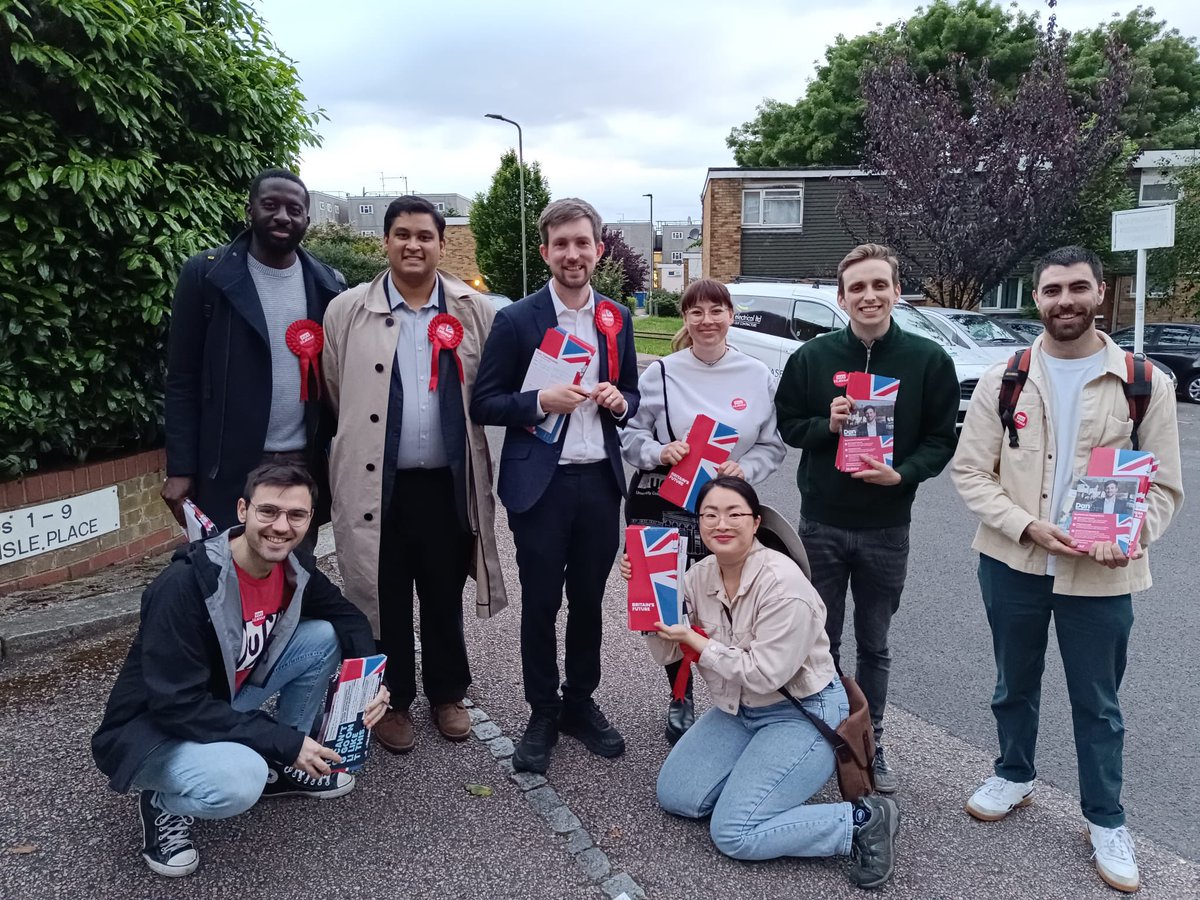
{"x":452,"y":721}
{"x":394,"y":731}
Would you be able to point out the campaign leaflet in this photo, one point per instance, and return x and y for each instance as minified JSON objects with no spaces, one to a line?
{"x":196,"y":525}
{"x":351,"y":688}
{"x":869,"y":430}
{"x":656,"y":556}
{"x":709,"y":444}
{"x":562,"y":358}
{"x":1108,"y":503}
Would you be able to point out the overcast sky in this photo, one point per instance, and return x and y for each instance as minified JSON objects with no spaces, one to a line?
{"x":616,"y":99}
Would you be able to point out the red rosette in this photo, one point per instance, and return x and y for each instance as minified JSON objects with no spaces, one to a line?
{"x":679,"y":686}
{"x":445,"y":333}
{"x":608,"y":323}
{"x":305,"y":338}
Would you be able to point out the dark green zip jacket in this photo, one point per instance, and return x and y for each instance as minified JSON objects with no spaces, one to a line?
{"x":926,"y":413}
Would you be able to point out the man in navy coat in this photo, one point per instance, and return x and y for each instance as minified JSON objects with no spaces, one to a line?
{"x":563,"y":498}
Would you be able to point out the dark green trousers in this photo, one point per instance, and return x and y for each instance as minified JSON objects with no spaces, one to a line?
{"x":1093,"y":635}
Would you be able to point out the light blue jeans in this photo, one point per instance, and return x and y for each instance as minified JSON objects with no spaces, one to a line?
{"x":223,"y":779}
{"x":754,"y":772}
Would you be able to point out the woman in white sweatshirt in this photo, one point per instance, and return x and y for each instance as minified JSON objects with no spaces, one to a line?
{"x":703,"y":376}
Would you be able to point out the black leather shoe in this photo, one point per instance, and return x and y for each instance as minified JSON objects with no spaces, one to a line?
{"x":533,"y":750}
{"x":681,"y":715}
{"x":584,"y":721}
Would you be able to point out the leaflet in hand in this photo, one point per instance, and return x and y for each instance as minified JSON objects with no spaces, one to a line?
{"x":196,"y":525}
{"x":351,"y":688}
{"x":656,"y":556}
{"x":562,"y":358}
{"x":1108,"y":503}
{"x":869,"y":431}
{"x":709,"y":444}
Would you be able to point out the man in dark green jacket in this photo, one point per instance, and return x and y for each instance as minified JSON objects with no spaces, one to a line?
{"x":855,"y":526}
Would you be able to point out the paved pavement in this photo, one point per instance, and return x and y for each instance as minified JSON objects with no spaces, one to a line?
{"x":412,"y":829}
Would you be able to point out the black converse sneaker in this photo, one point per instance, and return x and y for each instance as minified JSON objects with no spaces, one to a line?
{"x":167,"y":844}
{"x":284,"y":781}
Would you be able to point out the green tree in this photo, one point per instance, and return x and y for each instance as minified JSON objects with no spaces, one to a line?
{"x":496,"y":224}
{"x":609,"y":280}
{"x":358,"y":257}
{"x":129,"y":133}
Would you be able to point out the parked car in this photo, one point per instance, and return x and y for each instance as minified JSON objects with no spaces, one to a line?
{"x":1023,"y":325}
{"x":1175,"y":345}
{"x":976,"y":331}
{"x":499,"y":301}
{"x":772,"y":319}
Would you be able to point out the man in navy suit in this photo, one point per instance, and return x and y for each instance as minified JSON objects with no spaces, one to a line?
{"x":563,"y":499}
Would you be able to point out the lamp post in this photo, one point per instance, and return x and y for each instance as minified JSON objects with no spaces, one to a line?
{"x":652,"y":269}
{"x":521,"y":181}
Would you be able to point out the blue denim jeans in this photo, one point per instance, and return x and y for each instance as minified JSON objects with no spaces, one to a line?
{"x":874,"y":563}
{"x":754,"y":772}
{"x":223,"y":779}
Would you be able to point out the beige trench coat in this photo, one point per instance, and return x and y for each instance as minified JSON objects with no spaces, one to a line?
{"x":358,"y":347}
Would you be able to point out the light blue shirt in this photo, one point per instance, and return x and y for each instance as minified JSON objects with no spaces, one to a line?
{"x":421,"y":445}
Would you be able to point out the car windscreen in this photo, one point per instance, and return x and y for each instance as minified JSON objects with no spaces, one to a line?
{"x":911,"y":320}
{"x":983,"y":330}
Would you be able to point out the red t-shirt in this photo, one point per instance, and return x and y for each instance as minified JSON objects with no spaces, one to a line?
{"x":263,"y":599}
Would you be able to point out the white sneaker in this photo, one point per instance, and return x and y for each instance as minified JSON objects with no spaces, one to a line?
{"x":1112,"y":850}
{"x":997,"y":797}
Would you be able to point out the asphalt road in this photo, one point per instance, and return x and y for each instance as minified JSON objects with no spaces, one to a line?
{"x":943,"y":670}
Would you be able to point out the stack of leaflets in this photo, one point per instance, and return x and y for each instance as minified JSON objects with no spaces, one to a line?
{"x":1108,"y":503}
{"x":196,"y":525}
{"x":869,"y":431}
{"x":351,"y":688}
{"x":709,"y":444}
{"x":657,"y":558}
{"x":562,"y":358}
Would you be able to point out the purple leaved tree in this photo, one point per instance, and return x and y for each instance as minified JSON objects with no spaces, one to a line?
{"x":635,"y":265}
{"x":970,"y":184}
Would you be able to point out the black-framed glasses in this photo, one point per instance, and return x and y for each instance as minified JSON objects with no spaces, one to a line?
{"x":268,"y":514}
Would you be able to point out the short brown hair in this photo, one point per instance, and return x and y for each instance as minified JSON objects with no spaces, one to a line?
{"x":279,"y":475}
{"x":568,"y":209}
{"x":868,"y":251}
{"x":701,"y":289}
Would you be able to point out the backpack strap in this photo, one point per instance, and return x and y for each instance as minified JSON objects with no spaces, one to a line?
{"x":1139,"y":375}
{"x":1015,"y":375}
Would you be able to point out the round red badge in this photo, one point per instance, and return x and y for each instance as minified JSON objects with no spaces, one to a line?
{"x":738,"y":403}
{"x":1021,"y":420}
{"x":841,"y":379}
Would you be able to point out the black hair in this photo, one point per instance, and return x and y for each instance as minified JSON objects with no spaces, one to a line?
{"x":412,"y":204}
{"x":1113,"y":483}
{"x":739,"y":486}
{"x":267,"y":174}
{"x":280,"y":475}
{"x":1068,"y":256}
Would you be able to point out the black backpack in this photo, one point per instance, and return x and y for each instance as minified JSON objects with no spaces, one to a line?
{"x":1138,"y":374}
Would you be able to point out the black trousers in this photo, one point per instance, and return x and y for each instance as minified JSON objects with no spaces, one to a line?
{"x":423,"y":544}
{"x":568,"y":539}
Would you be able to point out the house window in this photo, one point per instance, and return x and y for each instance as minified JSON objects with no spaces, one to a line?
{"x":676,"y":256}
{"x":619,"y":232}
{"x":777,"y":207}
{"x":1157,"y":189}
{"x":367,"y":231}
{"x":677,"y":235}
{"x":440,"y":207}
{"x":1008,"y":294}
{"x":366,"y":209}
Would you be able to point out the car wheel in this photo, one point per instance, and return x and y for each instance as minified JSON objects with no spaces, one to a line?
{"x":1193,"y":388}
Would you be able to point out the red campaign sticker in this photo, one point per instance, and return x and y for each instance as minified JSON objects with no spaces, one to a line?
{"x":841,"y":379}
{"x":738,"y":403}
{"x":1021,"y":419}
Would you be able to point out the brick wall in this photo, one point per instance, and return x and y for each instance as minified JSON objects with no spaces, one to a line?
{"x":146,"y":524}
{"x":459,"y":258}
{"x":722,"y":247}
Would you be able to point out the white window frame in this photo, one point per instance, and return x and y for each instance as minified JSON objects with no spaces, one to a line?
{"x":677,"y":235}
{"x":1153,"y":178}
{"x":989,"y":300}
{"x":676,"y":256}
{"x":368,"y":232}
{"x":366,"y":209}
{"x":796,"y":190}
{"x":440,"y":207}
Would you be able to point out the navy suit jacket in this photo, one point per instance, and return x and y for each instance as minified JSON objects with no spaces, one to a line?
{"x":527,"y":464}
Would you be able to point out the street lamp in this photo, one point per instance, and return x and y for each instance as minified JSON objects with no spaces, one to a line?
{"x":521,"y":177}
{"x":652,"y":269}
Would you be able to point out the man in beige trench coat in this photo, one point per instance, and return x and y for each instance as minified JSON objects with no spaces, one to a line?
{"x":410,"y":473}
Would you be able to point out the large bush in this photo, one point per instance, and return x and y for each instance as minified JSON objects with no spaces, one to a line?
{"x":358,"y":257}
{"x":129,"y":135}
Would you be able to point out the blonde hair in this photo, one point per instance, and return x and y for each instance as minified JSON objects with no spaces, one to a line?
{"x":701,"y":289}
{"x":868,"y":251}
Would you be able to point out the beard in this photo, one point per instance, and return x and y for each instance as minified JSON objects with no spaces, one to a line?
{"x":1069,"y":330}
{"x":262,"y":234}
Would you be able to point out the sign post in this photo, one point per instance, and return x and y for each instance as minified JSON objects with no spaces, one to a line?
{"x":1142,"y":229}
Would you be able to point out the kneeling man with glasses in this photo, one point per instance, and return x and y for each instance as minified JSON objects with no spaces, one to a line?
{"x":233,"y":621}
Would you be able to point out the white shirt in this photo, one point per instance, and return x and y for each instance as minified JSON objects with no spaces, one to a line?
{"x":584,"y":442}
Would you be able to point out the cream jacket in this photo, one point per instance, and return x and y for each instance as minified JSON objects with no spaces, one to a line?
{"x":1010,"y":488}
{"x":771,"y":634}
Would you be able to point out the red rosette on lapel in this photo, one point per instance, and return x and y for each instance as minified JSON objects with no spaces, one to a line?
{"x":445,"y":333}
{"x":608,"y":323}
{"x":305,"y":338}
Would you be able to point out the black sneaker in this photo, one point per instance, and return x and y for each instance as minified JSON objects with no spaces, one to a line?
{"x":583,"y":720}
{"x":167,"y":844}
{"x":533,"y":750}
{"x":681,"y":715}
{"x":873,"y":848}
{"x":886,"y":780}
{"x":284,"y":781}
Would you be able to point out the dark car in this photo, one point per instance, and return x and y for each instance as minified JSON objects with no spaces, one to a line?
{"x":1025,"y":327}
{"x":1177,"y":346}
